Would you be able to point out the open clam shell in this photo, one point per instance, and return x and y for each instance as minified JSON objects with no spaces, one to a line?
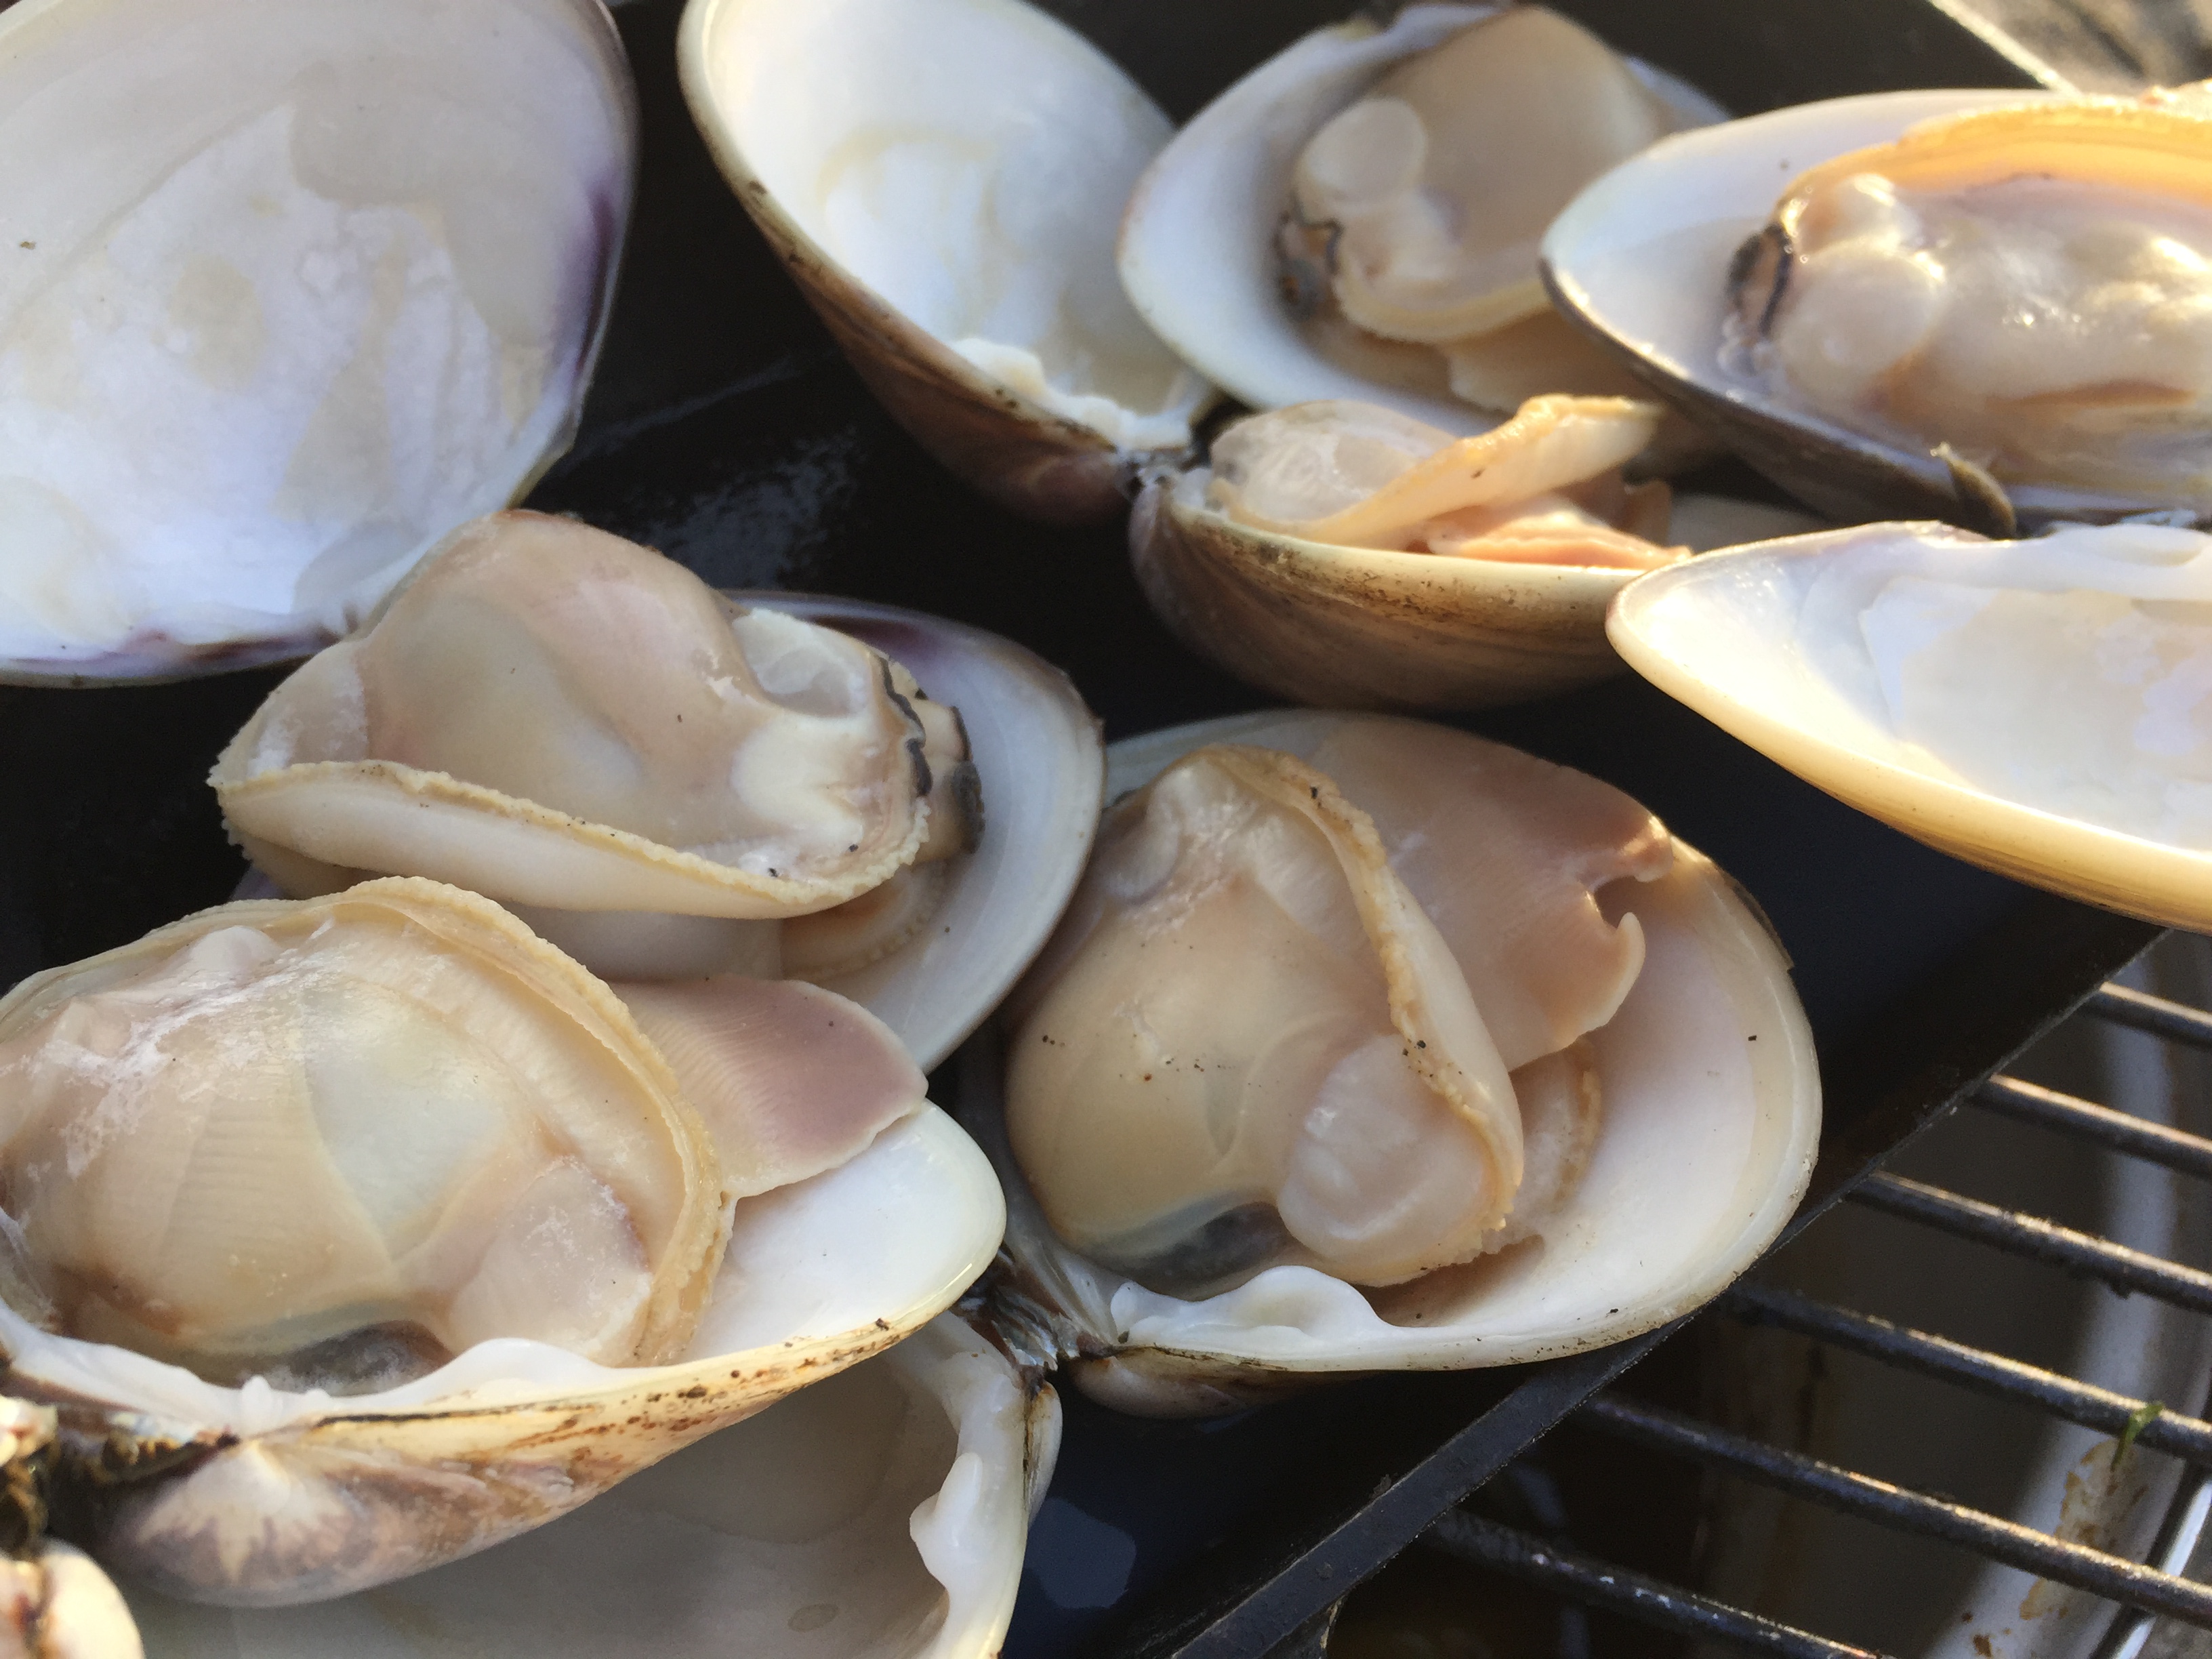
{"x":287,"y":297}
{"x":943,"y":179}
{"x":1346,"y":627}
{"x":1642,"y":260}
{"x":884,"y":1509}
{"x":1197,"y":250}
{"x":2027,"y":706}
{"x":1711,"y":1121}
{"x":315,"y":808}
{"x":260,"y":1494}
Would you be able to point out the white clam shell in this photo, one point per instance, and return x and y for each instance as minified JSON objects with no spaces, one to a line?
{"x":1733,"y":637}
{"x":1197,"y":246}
{"x":286,"y":298}
{"x":1640,"y":261}
{"x":799,"y":98}
{"x":1711,"y":1123}
{"x":885,"y":1510}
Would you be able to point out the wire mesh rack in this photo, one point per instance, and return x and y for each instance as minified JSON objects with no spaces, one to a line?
{"x":2139,"y":1592}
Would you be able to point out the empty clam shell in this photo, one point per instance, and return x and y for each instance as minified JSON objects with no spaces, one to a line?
{"x":1646,"y":260}
{"x":943,"y":179}
{"x":1709,"y":1123}
{"x":2031,"y":706}
{"x":286,"y":296}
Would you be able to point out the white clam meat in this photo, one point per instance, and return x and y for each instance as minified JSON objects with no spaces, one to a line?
{"x":1393,"y":183}
{"x":1368,"y":1045}
{"x":884,"y":1509}
{"x":943,"y":179}
{"x":1956,"y":286}
{"x":283,"y":304}
{"x":1347,"y":555}
{"x":347,"y":1211}
{"x":2035,"y":707}
{"x":666,"y":782}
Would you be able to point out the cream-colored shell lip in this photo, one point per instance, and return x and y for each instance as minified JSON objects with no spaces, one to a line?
{"x":1024,"y":457}
{"x":301,"y":1498}
{"x":1712,"y":1124}
{"x":1362,"y":628}
{"x":1665,"y":626}
{"x":347,"y":811}
{"x":1036,"y":749}
{"x":897,"y":1496}
{"x":1197,"y":241}
{"x":1639,"y":261}
{"x":54,"y":40}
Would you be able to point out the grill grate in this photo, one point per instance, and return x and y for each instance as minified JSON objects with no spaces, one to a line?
{"x":2143,"y":1591}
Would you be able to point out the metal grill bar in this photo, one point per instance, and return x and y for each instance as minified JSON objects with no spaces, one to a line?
{"x":2109,"y":1576}
{"x":1940,"y":1356}
{"x":2145,"y":1013}
{"x":2123,"y":1132}
{"x":1595,"y":1584}
{"x":2042,"y":1241}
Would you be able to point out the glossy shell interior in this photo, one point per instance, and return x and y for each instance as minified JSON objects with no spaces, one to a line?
{"x":1723,"y":635}
{"x":286,"y":299}
{"x":1056,"y":135}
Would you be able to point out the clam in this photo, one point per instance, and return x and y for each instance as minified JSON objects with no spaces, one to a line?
{"x":1954,"y":289}
{"x":882,"y":1510}
{"x":1345,"y":222}
{"x":673,"y":785}
{"x":349,"y":1236}
{"x":943,"y":179}
{"x":2033,"y":707}
{"x":55,"y":1602}
{"x":1368,"y":1045}
{"x":1347,"y":555}
{"x":285,"y":298}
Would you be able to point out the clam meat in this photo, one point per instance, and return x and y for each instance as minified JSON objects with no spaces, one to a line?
{"x":670,"y":783}
{"x":1349,"y":555}
{"x":2032,"y":286}
{"x":1358,"y":217}
{"x":569,"y":723}
{"x":1545,"y":488}
{"x":341,"y":1207}
{"x":283,"y":303}
{"x":1418,"y":209}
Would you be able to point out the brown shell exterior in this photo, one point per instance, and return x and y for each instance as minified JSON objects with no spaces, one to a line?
{"x":1331,"y":632}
